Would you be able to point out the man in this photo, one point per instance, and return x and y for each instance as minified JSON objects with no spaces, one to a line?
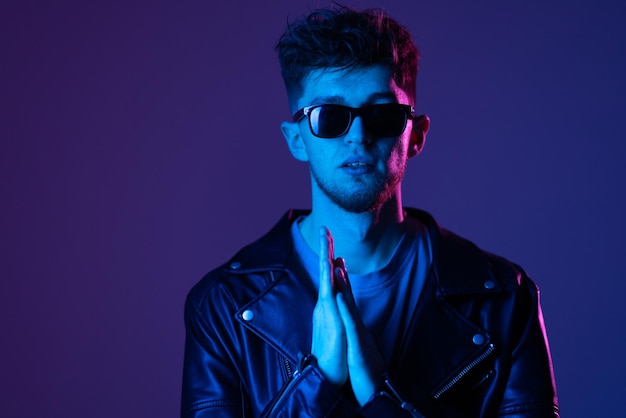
{"x":410,"y":320}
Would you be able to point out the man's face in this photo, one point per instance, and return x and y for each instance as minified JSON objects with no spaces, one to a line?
{"x":357,"y":171}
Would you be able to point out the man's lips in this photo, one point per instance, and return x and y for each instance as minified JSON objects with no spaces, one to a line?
{"x":358,"y":162}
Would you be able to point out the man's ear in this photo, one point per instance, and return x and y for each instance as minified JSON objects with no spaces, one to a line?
{"x":291,"y":132}
{"x":418,"y":135}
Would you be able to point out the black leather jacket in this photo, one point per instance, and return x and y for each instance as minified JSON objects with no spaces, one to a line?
{"x":477,"y":346}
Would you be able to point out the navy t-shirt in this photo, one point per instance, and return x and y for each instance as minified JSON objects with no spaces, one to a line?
{"x":386,"y":298}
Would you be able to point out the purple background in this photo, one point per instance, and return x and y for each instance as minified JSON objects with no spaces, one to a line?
{"x":140,"y":147}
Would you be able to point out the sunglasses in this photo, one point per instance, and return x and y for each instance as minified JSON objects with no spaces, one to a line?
{"x":333,"y":120}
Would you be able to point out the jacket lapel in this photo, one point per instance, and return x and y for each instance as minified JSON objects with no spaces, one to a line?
{"x":445,"y":343}
{"x":282,"y":315}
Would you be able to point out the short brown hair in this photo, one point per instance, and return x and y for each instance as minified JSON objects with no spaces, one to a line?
{"x":343,"y":38}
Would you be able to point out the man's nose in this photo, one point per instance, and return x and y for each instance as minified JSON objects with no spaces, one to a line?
{"x":358,"y":133}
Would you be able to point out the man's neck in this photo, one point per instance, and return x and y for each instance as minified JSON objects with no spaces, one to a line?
{"x":365,"y":240}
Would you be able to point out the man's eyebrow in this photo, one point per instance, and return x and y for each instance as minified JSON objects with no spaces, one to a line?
{"x":336,"y":99}
{"x":327,"y":100}
{"x":382,"y":95}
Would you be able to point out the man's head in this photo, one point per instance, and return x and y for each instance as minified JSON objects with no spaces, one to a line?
{"x":343,"y":39}
{"x":350,"y":78}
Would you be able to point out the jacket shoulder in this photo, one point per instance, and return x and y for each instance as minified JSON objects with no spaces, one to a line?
{"x":209,"y":283}
{"x":501,"y":270}
{"x":464,"y":268}
{"x":245,"y":273}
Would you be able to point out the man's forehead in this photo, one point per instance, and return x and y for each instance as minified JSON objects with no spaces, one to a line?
{"x":354,"y":86}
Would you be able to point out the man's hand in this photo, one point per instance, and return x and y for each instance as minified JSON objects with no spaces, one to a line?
{"x":341,"y":343}
{"x":365,"y":365}
{"x":329,"y":344}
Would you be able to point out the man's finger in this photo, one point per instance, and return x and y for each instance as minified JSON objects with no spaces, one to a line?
{"x":340,"y":265}
{"x":342,"y":285}
{"x":326,"y":263}
{"x":349,"y":323}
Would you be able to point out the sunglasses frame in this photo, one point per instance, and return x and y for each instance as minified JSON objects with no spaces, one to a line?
{"x":353,"y":112}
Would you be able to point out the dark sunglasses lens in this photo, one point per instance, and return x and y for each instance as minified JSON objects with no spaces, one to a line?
{"x":385,"y":120}
{"x":329,"y":121}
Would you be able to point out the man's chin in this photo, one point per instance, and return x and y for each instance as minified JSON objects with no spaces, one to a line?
{"x":360,"y":203}
{"x":359,"y":196}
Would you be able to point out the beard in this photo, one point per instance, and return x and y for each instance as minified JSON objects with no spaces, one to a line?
{"x":363,"y":193}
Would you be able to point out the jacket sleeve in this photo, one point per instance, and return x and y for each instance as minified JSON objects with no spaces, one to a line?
{"x":210,"y":383}
{"x":530,"y":390}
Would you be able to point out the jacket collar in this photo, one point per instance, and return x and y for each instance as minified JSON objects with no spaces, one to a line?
{"x":271,"y":251}
{"x":460,"y":266}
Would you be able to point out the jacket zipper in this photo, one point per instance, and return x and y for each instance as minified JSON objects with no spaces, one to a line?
{"x":288,"y":370}
{"x":303,"y":366}
{"x":465,"y":370}
{"x":286,"y":390}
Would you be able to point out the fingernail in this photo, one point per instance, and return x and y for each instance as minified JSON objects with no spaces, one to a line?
{"x":341,"y":262}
